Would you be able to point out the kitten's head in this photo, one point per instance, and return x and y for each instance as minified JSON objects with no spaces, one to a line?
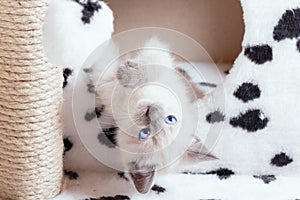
{"x":156,"y":114}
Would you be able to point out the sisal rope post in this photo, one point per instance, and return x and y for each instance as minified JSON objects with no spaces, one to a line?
{"x":31,"y":144}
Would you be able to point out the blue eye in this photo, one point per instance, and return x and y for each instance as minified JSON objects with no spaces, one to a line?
{"x":170,"y":120}
{"x":144,"y":133}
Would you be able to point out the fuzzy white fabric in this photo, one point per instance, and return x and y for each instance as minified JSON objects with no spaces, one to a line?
{"x":68,"y":41}
{"x":253,"y":153}
{"x":182,"y":187}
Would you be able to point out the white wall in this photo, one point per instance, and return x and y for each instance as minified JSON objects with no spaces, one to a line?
{"x":215,"y":24}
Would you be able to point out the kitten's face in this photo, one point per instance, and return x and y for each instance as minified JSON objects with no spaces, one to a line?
{"x":153,"y":122}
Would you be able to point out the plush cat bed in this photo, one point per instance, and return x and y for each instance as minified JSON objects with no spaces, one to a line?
{"x":215,"y":183}
{"x":253,"y":129}
{"x":83,"y":183}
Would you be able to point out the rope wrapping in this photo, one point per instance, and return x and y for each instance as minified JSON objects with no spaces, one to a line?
{"x":31,"y":144}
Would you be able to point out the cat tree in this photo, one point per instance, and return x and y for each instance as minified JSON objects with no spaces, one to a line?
{"x":30,"y":106}
{"x":260,"y":129}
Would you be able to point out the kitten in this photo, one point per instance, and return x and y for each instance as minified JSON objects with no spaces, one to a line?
{"x":153,"y":104}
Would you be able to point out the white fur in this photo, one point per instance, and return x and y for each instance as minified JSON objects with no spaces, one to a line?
{"x":161,"y":86}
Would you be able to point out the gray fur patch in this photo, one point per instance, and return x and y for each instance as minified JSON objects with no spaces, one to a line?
{"x":130,"y":75}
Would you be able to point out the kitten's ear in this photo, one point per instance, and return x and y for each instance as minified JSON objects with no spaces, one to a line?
{"x":196,"y":154}
{"x":196,"y":92}
{"x":130,"y":74}
{"x":198,"y":151}
{"x":143,"y":179}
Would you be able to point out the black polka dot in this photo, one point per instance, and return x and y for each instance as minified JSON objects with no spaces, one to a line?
{"x":117,"y":197}
{"x":259,"y":54}
{"x":266,"y":178}
{"x":158,"y":189}
{"x":89,"y":116}
{"x":89,"y":9}
{"x":252,"y":120}
{"x":91,"y":87}
{"x":108,"y":137}
{"x":123,"y":176}
{"x":247,"y":92}
{"x":227,"y":72}
{"x":88,"y":70}
{"x":99,"y":110}
{"x":193,"y":173}
{"x":281,"y":160}
{"x":222,"y":173}
{"x":288,"y":26}
{"x":71,"y":175}
{"x":66,"y":73}
{"x":67,"y":145}
{"x":206,"y":84}
{"x":298,"y":45}
{"x":209,"y":199}
{"x":215,"y":117}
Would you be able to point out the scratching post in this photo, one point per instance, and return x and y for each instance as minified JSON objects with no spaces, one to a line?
{"x":30,"y":106}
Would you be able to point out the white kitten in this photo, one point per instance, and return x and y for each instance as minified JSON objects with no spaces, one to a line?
{"x":153,"y":105}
